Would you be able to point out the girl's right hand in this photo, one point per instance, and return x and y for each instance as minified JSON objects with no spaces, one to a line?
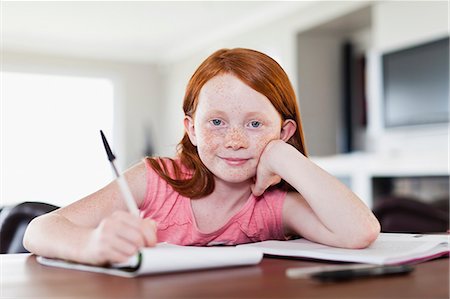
{"x":118,"y":237}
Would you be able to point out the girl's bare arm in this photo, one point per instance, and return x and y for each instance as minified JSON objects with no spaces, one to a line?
{"x":324,"y":210}
{"x":96,"y":229}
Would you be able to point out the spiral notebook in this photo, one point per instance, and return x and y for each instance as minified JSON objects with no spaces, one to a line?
{"x":165,"y":258}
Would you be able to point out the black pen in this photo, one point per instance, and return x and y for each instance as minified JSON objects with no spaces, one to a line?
{"x":343,"y":275}
{"x":128,"y":197}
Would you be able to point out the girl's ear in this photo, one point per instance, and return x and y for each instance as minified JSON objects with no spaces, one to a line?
{"x":288,"y":129}
{"x":190,"y":130}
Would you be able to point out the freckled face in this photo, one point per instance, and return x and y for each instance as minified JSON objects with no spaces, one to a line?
{"x":232,"y":125}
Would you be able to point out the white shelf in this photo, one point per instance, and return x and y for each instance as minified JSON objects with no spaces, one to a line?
{"x":360,"y":168}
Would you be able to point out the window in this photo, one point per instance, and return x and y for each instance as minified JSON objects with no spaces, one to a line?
{"x":51,"y":149}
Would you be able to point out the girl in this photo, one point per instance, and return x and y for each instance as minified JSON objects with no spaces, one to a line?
{"x":241,"y":175}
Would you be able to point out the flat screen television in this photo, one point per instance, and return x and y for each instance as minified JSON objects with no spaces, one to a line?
{"x":416,"y":85}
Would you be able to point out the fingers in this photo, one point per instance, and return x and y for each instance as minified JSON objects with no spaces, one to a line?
{"x":128,"y":227}
{"x":137,"y":231}
{"x":261,"y":184}
{"x":122,"y":235}
{"x":257,"y":191}
{"x":265,"y":176}
{"x":120,"y":251}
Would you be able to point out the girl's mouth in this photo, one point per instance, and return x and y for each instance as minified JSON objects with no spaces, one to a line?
{"x":235,"y":161}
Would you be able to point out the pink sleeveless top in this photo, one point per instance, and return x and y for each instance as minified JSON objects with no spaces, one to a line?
{"x":259,"y":219}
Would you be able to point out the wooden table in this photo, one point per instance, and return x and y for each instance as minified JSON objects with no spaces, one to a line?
{"x":23,"y":277}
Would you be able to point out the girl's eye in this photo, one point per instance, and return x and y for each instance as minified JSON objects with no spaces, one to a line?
{"x":216,"y":122}
{"x":255,"y":124}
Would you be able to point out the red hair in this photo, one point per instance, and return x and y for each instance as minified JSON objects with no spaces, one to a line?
{"x":262,"y":74}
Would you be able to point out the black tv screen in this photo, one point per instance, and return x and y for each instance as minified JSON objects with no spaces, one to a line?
{"x":416,"y":85}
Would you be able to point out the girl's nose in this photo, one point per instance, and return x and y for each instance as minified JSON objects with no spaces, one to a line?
{"x":236,"y":139}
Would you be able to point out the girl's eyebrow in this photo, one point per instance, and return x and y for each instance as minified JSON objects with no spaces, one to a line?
{"x":215,"y":112}
{"x":256,"y":115}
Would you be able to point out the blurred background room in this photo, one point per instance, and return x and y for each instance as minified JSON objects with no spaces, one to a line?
{"x":372,"y":80}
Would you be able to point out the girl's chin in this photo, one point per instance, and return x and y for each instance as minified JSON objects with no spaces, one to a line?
{"x":236,"y":179}
{"x":232,"y":174}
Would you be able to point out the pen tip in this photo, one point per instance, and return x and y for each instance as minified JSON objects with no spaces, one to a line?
{"x":109,"y":153}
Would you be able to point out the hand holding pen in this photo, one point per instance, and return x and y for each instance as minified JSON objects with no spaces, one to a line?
{"x":122,"y":234}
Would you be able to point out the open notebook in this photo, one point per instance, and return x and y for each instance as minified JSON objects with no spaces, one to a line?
{"x":166,"y":258}
{"x":388,"y":249}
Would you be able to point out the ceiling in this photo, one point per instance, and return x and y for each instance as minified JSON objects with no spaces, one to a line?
{"x":142,"y":31}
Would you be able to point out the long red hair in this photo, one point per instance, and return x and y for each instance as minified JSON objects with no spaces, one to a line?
{"x":262,"y":74}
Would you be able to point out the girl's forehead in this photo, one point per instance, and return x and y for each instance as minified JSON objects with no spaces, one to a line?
{"x":226,"y":91}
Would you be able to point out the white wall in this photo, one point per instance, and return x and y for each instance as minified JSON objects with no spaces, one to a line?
{"x":136,"y":91}
{"x":400,"y":24}
{"x":319,"y":64}
{"x":175,"y":78}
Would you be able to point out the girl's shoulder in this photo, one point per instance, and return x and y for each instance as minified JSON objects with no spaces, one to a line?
{"x":294,"y":196}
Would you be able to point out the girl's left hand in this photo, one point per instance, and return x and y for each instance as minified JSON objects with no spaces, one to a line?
{"x":265,"y":175}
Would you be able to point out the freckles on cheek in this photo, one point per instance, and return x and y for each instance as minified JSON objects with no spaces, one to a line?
{"x":209,"y":140}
